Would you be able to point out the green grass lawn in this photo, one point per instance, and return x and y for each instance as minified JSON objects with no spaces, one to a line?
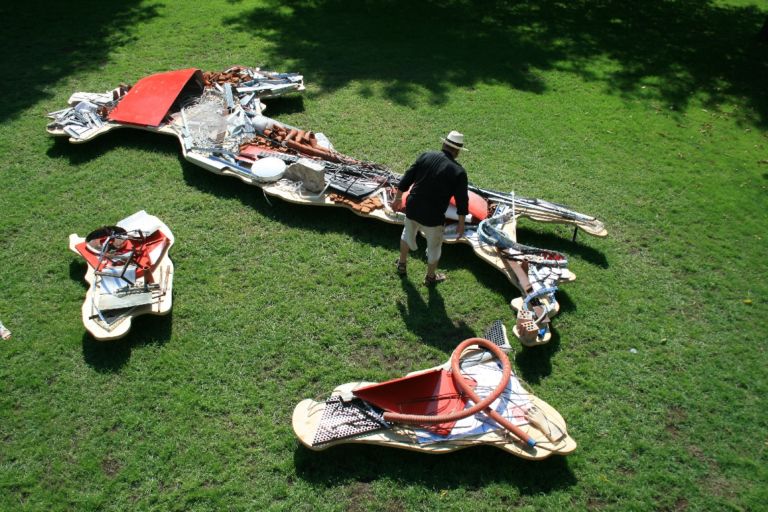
{"x":651,"y":116}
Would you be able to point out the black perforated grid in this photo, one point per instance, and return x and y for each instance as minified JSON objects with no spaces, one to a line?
{"x":497,"y":334}
{"x":342,"y":419}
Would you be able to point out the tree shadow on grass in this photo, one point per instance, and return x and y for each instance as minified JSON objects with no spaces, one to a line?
{"x":284,"y":105}
{"x":665,"y":51}
{"x":111,"y":356}
{"x":474,"y":468}
{"x":46,"y":42}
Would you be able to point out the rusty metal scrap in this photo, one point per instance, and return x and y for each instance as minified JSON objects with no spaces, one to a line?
{"x":79,"y":120}
{"x":255,"y":82}
{"x":88,"y":112}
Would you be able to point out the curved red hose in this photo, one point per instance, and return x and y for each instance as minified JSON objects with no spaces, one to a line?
{"x":480,"y":405}
{"x":495,"y":416}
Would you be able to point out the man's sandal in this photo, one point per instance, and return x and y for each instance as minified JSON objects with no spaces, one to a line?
{"x":433,"y":280}
{"x":402,"y":269}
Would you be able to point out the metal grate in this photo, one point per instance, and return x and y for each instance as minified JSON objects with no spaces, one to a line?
{"x":497,"y":334}
{"x":342,"y":419}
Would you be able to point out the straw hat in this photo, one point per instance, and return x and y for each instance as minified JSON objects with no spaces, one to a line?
{"x":455,"y":140}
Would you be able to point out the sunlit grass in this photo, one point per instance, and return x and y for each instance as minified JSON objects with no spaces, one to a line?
{"x":276,"y":303}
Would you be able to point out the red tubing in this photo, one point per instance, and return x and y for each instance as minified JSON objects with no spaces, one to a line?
{"x":495,"y":416}
{"x":480,"y":405}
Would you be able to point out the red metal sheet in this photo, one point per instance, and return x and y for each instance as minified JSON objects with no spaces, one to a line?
{"x":141,"y":256}
{"x":429,"y":393}
{"x":149,"y":100}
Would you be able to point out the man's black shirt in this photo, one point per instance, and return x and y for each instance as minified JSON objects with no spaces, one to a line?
{"x":433,"y":178}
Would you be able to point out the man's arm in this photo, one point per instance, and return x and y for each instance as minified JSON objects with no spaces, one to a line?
{"x":397,"y":202}
{"x":461,"y":194}
{"x":405,"y":183}
{"x":460,"y":228}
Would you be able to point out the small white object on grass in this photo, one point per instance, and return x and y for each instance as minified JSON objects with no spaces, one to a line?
{"x":4,"y":332}
{"x":633,"y":350}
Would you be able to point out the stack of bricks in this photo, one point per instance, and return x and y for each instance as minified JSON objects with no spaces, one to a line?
{"x":258,"y":144}
{"x":303,"y":142}
{"x":526,"y":327}
{"x":234,"y":77}
{"x":366,"y":206}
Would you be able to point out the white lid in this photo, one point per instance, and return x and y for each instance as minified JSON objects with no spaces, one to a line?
{"x":268,"y":169}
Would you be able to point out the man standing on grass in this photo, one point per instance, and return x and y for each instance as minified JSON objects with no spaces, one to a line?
{"x":433,"y":179}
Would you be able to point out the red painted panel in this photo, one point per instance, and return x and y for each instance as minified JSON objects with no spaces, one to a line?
{"x":149,"y":100}
{"x":430,"y":393}
{"x":141,"y":257}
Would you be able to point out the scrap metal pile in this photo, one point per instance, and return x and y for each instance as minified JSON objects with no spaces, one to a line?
{"x":129,"y":272}
{"x":219,"y":121}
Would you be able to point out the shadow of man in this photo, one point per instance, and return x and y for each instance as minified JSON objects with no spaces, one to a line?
{"x":428,"y":319}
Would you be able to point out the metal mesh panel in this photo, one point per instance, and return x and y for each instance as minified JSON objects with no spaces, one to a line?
{"x":346,"y":419}
{"x":497,"y":334}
